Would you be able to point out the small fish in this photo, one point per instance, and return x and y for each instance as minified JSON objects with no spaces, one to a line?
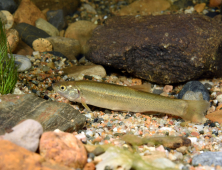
{"x":123,"y":98}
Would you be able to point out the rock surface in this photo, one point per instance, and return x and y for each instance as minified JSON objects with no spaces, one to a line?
{"x":144,"y":7}
{"x":69,"y":6}
{"x":63,"y":148}
{"x":162,"y":49}
{"x":15,"y":157}
{"x":28,"y":13}
{"x":76,"y":71}
{"x":51,"y":115}
{"x":81,"y":31}
{"x":67,"y":46}
{"x":26,"y":134}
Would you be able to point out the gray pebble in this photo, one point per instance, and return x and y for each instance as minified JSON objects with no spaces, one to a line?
{"x":208,"y":158}
{"x":22,"y":62}
{"x":195,"y":86}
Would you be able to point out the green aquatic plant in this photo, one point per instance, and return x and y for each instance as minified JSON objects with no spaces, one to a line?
{"x":8,"y":69}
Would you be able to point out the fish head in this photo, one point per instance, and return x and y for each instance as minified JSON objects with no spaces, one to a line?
{"x":67,"y":89}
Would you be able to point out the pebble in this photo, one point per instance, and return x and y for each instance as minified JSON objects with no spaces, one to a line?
{"x":28,"y":12}
{"x":47,"y":27}
{"x":219,"y":98}
{"x":163,"y":163}
{"x":194,"y":86}
{"x":9,"y":19}
{"x":57,"y":18}
{"x":81,"y":31}
{"x":69,"y":47}
{"x":26,"y":134}
{"x":64,"y":148}
{"x":208,"y":158}
{"x":22,"y":62}
{"x":8,"y":5}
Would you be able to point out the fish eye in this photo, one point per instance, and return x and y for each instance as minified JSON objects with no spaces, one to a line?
{"x":62,"y":87}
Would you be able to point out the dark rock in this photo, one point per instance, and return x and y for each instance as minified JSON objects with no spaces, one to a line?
{"x":208,"y":159}
{"x":195,"y":86}
{"x":162,"y":49}
{"x":212,"y":14}
{"x":57,"y":19}
{"x":56,"y":53}
{"x":69,"y":6}
{"x":8,"y":5}
{"x":51,"y":115}
{"x":29,"y":33}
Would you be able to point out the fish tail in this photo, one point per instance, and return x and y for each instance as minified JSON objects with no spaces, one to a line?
{"x":196,"y":110}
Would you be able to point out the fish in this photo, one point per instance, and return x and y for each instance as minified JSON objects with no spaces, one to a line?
{"x":125,"y":98}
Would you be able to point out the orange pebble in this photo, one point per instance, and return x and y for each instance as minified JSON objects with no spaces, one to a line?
{"x":136,"y":81}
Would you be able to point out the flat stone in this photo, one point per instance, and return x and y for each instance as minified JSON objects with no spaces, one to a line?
{"x":163,"y":49}
{"x":51,"y":115}
{"x":92,"y":70}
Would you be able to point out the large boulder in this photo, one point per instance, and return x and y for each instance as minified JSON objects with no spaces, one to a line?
{"x":162,"y":49}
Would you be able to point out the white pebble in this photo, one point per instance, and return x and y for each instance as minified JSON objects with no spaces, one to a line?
{"x":193,"y":139}
{"x":219,"y":98}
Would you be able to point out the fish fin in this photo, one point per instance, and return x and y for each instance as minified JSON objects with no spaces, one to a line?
{"x":146,"y":87}
{"x":195,"y":111}
{"x":85,"y":105}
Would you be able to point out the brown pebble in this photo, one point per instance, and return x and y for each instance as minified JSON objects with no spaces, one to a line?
{"x":13,"y":39}
{"x":41,"y":45}
{"x":199,"y":7}
{"x":215,"y":3}
{"x":89,"y":166}
{"x":63,"y":148}
{"x":215,"y":116}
